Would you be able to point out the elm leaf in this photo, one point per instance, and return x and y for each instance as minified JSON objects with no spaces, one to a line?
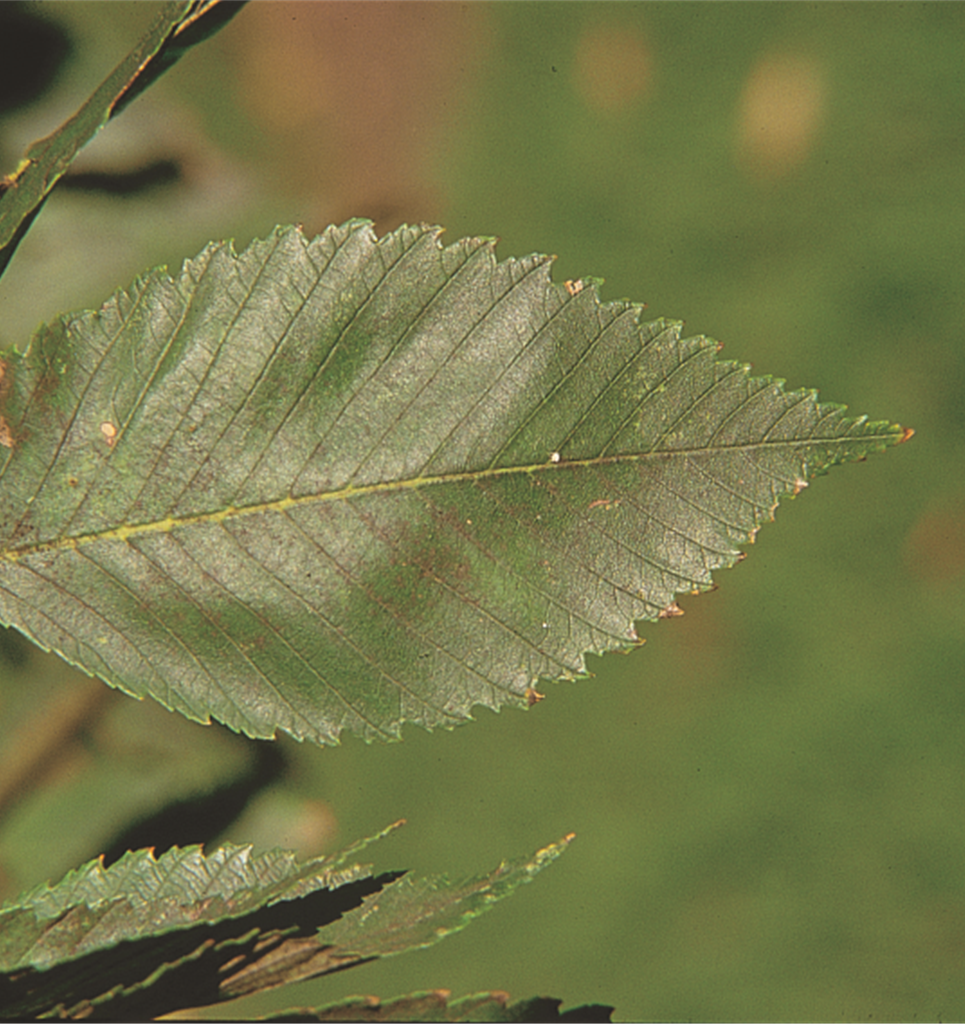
{"x":437,"y":1006}
{"x":148,"y":936}
{"x":353,"y":482}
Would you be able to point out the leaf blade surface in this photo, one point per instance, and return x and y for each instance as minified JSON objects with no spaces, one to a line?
{"x":353,"y":482}
{"x":148,"y":935}
{"x":437,"y":1006}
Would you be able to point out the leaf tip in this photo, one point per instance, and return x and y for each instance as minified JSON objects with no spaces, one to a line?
{"x":907,"y":434}
{"x":551,"y":852}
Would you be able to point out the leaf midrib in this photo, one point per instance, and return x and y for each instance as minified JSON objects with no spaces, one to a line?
{"x":169,"y":523}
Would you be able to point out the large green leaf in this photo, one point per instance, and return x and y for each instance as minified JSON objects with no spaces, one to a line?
{"x":149,"y":936}
{"x":354,"y":482}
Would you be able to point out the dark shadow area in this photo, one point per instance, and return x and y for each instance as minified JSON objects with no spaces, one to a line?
{"x":124,"y":184}
{"x":14,"y":648}
{"x":32,"y":52}
{"x":201,"y":818}
{"x":195,"y":961}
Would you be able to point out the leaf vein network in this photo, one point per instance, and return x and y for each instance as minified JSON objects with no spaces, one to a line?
{"x":347,"y":575}
{"x":531,"y":342}
{"x":318,"y":372}
{"x":296,"y":713}
{"x":354,"y":393}
{"x":266,"y":364}
{"x":588,"y":569}
{"x":508,"y":629}
{"x":328,"y":623}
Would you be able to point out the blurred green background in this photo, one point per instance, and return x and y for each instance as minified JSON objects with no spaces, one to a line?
{"x":769,"y":797}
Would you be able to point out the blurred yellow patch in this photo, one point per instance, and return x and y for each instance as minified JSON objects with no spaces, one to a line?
{"x":781,"y":111}
{"x":613,"y":68}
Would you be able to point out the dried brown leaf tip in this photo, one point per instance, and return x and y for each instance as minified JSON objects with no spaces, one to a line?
{"x":533,"y":696}
{"x":907,"y":434}
{"x":672,"y":611}
{"x":573,"y":287}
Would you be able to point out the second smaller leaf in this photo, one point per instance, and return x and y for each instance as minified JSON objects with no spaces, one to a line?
{"x":149,"y":936}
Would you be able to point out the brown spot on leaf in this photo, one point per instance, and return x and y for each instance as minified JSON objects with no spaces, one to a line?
{"x":6,"y":434}
{"x":533,"y":696}
{"x":110,"y":433}
{"x":573,"y":287}
{"x":672,"y":611}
